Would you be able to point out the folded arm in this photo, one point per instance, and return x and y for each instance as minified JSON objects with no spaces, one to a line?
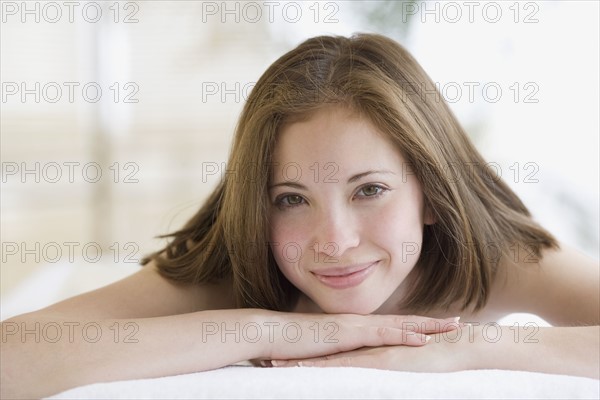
{"x":145,"y":326}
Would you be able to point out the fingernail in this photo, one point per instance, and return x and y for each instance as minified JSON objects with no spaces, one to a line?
{"x":453,"y":319}
{"x":305,"y":363}
{"x":278,"y":363}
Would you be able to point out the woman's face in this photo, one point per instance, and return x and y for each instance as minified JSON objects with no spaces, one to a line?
{"x":346,"y":213}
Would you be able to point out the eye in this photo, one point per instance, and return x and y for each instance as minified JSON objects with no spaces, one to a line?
{"x":371,"y":191}
{"x":289,"y":200}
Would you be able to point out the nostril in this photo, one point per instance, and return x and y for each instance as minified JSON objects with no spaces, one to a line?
{"x":315,"y":247}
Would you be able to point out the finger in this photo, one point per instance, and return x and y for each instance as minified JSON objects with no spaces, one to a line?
{"x":329,"y":361}
{"x":414,"y":338}
{"x":336,"y":362}
{"x":296,"y":362}
{"x":383,"y":335}
{"x":423,"y":324}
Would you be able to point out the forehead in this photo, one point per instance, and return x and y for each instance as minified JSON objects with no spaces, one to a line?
{"x":334,"y":136}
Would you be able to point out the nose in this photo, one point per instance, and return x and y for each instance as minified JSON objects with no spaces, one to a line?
{"x":336,"y":231}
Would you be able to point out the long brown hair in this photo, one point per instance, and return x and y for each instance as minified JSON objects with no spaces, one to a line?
{"x":478,"y":217}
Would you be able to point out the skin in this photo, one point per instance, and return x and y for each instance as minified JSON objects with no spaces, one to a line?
{"x":562,"y":287}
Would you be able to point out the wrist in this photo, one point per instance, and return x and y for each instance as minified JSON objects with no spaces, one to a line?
{"x":487,"y":346}
{"x":461,"y":348}
{"x":262,"y":326}
{"x":244,"y":332}
{"x":472,"y":348}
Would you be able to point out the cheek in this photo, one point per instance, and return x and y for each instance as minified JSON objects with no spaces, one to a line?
{"x":287,"y":237}
{"x":397,"y":229}
{"x":286,"y":230}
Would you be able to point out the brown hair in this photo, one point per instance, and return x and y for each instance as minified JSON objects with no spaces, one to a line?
{"x":475,"y":211}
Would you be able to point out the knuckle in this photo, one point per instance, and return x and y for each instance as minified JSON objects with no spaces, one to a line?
{"x":383,"y":332}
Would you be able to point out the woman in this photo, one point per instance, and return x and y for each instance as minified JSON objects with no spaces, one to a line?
{"x":353,"y":202}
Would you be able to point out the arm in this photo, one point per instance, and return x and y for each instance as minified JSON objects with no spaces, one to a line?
{"x":145,"y":326}
{"x":557,"y":350}
{"x":44,"y":355}
{"x":563,"y":288}
{"x":567,"y":351}
{"x":120,"y":331}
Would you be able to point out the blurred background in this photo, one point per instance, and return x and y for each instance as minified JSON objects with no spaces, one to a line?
{"x":117,"y":116}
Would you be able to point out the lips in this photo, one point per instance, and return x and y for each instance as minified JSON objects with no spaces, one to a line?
{"x":345,"y":277}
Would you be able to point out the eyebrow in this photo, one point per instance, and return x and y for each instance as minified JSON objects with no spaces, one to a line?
{"x":352,"y":179}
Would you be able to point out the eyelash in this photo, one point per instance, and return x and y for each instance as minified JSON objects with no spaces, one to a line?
{"x":280,"y":200}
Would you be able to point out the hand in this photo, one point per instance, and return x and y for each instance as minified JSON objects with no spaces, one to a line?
{"x":316,"y":335}
{"x":444,"y":353}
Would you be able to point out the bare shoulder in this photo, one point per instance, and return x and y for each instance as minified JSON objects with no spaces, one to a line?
{"x":144,"y":294}
{"x":563,"y":286}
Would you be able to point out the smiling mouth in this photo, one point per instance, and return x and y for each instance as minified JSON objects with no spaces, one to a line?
{"x":345,"y":277}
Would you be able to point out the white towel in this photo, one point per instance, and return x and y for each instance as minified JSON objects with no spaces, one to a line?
{"x":240,"y":382}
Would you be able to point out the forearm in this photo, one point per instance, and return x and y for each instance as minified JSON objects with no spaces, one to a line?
{"x":41,"y":363}
{"x":555,"y":350}
{"x":43,"y":355}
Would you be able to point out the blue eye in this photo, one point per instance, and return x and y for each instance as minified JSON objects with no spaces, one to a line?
{"x":372,"y":191}
{"x":289,"y":201}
